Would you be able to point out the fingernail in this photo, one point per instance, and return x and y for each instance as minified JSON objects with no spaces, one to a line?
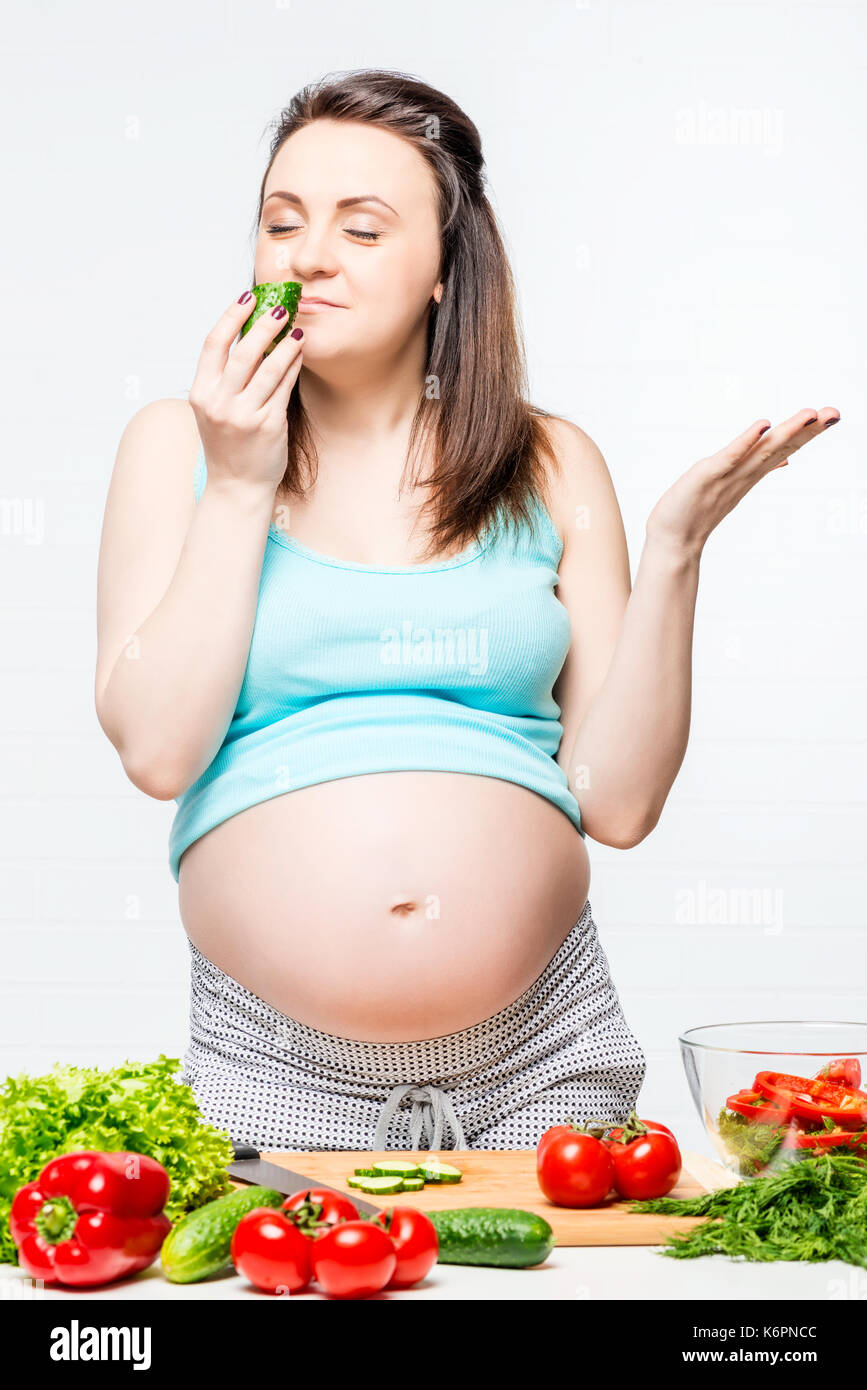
{"x":831,"y":422}
{"x":278,"y":312}
{"x":242,"y":299}
{"x":812,"y":420}
{"x":763,"y":430}
{"x":297,"y":333}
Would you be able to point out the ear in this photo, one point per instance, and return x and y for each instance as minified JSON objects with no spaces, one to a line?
{"x":438,"y":292}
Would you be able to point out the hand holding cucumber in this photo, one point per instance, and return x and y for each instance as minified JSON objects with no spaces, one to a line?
{"x":240,"y":401}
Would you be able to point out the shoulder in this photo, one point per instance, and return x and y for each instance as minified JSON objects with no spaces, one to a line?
{"x":156,"y":460}
{"x":579,"y":478}
{"x":170,"y":418}
{"x":161,"y":440}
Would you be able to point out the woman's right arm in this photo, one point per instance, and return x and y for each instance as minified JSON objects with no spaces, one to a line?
{"x":178,"y":583}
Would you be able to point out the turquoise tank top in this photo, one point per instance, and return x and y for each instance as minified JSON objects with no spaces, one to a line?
{"x":354,"y":668}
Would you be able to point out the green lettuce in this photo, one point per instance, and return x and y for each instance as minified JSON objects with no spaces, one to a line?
{"x":138,"y":1106}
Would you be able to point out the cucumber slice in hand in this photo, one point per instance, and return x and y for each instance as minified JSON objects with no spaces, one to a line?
{"x":268,"y":296}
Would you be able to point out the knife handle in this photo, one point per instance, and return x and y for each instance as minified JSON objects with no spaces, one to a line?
{"x":245,"y":1151}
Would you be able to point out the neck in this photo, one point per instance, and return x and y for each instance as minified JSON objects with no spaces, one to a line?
{"x":365,"y":407}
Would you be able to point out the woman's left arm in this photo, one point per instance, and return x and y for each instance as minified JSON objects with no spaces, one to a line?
{"x":625,"y":690}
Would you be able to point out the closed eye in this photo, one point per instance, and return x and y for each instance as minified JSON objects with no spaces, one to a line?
{"x":353,"y":231}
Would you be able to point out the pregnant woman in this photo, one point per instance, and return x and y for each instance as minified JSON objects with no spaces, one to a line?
{"x":328,"y":628}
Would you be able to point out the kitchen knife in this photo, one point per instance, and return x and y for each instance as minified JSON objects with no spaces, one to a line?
{"x":249,"y":1166}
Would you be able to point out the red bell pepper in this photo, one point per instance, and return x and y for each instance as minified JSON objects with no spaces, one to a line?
{"x":824,"y":1138}
{"x":91,"y":1218}
{"x":754,"y":1106}
{"x":814,"y":1098}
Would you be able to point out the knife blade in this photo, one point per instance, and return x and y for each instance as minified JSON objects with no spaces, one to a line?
{"x":260,"y":1173}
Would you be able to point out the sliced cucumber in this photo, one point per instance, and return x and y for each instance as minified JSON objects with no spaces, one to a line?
{"x":381,"y":1185}
{"x":503,"y":1236}
{"x":412,"y":1185}
{"x":367,"y":1173}
{"x":354,"y":1182}
{"x":397,"y":1170}
{"x":440,"y":1172}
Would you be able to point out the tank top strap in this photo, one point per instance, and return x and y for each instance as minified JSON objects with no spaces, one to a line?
{"x":542,"y":537}
{"x":539,"y":539}
{"x":547,"y":537}
{"x":200,"y":473}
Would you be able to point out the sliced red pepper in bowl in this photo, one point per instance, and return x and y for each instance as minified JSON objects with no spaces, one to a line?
{"x":814,"y":1098}
{"x":824,"y":1138}
{"x":754,"y":1106}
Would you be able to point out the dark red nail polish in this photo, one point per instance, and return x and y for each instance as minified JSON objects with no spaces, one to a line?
{"x":297,"y":333}
{"x":278,"y":312}
{"x":831,"y":422}
{"x":242,"y":299}
{"x":812,"y":420}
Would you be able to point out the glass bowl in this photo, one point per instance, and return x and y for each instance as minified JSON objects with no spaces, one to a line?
{"x":772,"y":1121}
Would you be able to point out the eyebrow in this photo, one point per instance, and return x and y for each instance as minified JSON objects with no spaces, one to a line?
{"x":341,"y":203}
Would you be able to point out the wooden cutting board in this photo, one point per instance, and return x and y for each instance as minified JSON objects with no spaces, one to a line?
{"x":507,"y":1178}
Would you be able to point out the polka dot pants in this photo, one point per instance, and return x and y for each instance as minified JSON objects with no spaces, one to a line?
{"x":561,"y":1049}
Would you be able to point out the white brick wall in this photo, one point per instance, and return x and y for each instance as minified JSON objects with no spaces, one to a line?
{"x":673,"y":290}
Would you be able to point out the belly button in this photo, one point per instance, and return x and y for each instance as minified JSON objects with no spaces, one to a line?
{"x":403,"y":909}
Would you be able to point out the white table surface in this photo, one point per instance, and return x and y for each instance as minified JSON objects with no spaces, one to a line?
{"x":586,"y":1272}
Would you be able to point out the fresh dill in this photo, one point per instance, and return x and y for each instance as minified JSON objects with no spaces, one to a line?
{"x":814,"y":1208}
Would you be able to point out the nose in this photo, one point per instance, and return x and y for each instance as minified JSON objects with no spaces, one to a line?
{"x":310,"y":256}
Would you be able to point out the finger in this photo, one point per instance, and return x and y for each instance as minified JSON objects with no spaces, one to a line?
{"x":796,"y":432}
{"x":215,"y":350}
{"x":248,"y":354}
{"x":744,"y":443}
{"x":270,"y":375}
{"x":805,"y":423}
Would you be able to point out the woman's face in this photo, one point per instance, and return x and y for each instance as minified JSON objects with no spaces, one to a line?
{"x":377,"y":261}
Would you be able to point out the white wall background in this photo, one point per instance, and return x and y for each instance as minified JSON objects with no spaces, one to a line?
{"x":681,"y":188}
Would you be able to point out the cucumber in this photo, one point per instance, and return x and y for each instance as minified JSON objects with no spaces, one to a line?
{"x":353,"y":1182}
{"x":412,"y":1184}
{"x":200,"y":1243}
{"x":503,"y":1236}
{"x":397,"y":1170}
{"x":380,"y":1184}
{"x":367,"y":1173}
{"x":268,"y":296}
{"x":440,"y":1172}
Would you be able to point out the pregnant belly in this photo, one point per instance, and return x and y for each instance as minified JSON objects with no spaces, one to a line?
{"x":387,"y":907}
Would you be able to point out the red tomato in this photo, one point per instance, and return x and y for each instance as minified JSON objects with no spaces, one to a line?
{"x":845,"y":1069}
{"x":648,"y":1166}
{"x":270,"y":1251}
{"x":575,"y":1170}
{"x":550,"y":1134}
{"x":415,"y":1241}
{"x":335,"y":1207}
{"x":353,"y":1260}
{"x":649,"y":1124}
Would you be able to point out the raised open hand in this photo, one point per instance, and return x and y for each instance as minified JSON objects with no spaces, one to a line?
{"x":685,"y":515}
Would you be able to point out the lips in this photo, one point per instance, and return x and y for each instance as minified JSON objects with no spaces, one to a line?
{"x":312,"y":299}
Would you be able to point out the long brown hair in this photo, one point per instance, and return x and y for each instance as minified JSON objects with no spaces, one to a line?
{"x":487,"y":438}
